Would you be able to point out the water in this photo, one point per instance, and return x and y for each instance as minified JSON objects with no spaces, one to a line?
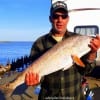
{"x":13,"y":50}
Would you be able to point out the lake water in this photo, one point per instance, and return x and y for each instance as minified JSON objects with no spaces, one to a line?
{"x":13,"y":50}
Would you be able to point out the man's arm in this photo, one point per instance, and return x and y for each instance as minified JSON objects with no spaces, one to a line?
{"x":89,"y":59}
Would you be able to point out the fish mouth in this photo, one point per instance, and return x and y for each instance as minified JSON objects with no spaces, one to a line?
{"x":6,"y":90}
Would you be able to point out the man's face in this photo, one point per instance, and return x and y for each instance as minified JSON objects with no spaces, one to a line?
{"x":59,"y":21}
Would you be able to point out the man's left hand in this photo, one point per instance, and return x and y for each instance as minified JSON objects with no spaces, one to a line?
{"x":94,"y":45}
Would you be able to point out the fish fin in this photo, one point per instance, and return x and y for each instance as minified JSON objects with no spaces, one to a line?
{"x":78,"y":61}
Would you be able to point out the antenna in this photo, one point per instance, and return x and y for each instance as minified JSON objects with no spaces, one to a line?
{"x":83,"y":9}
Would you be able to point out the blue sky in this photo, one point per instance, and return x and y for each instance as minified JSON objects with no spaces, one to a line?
{"x":26,"y":20}
{"x":23,"y":20}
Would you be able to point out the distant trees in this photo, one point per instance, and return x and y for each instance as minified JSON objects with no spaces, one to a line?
{"x":21,"y":63}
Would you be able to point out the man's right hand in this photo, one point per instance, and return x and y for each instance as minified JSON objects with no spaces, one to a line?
{"x":31,"y":79}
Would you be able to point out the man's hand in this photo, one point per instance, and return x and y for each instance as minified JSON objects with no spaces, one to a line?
{"x":31,"y":79}
{"x":94,"y":45}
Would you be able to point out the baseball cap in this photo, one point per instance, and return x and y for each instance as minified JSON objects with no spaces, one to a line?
{"x":58,"y":5}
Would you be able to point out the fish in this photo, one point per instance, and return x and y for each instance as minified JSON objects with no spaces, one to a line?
{"x":60,"y":57}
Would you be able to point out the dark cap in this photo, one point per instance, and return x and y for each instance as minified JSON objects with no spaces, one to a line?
{"x":58,"y":5}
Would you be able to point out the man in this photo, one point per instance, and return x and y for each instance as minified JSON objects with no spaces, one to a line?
{"x":61,"y":84}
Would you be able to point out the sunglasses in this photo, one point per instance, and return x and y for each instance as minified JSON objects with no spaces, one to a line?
{"x":56,"y":16}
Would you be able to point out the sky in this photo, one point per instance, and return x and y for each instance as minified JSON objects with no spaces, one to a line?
{"x":23,"y":20}
{"x":26,"y":20}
